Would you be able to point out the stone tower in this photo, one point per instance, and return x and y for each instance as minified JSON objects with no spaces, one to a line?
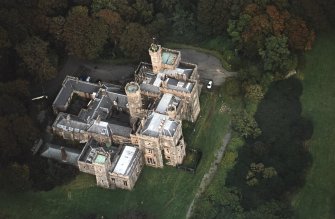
{"x":155,"y":52}
{"x":134,"y":99}
{"x":101,"y":168}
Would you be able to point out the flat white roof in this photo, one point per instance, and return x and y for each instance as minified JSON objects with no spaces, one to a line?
{"x":157,"y":82}
{"x":164,"y":103}
{"x":125,"y":159}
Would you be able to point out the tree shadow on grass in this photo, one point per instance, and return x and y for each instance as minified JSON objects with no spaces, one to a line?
{"x":281,"y":146}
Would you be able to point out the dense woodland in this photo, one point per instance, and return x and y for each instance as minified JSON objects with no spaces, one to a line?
{"x":266,"y":38}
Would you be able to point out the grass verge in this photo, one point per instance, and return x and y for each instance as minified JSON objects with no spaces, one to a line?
{"x":317,"y":198}
{"x":159,"y":193}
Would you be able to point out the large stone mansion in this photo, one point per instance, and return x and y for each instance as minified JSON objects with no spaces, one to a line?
{"x":144,"y":118}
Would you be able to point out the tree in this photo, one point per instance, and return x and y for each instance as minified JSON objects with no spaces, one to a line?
{"x":300,"y":37}
{"x":253,"y":92}
{"x":123,"y":7}
{"x":135,"y":41}
{"x":236,"y":27}
{"x":270,"y":210}
{"x":182,"y":21}
{"x":4,"y":39}
{"x":114,"y":21}
{"x":168,"y":6}
{"x":18,"y":133}
{"x":213,"y":16}
{"x":56,"y":26}
{"x":18,"y":88}
{"x":34,"y":53}
{"x":8,"y":144}
{"x":145,"y":11}
{"x":276,"y":55}
{"x":98,"y":5}
{"x":51,"y":7}
{"x":84,"y":36}
{"x":245,"y":124}
{"x":16,"y":177}
{"x":25,"y":131}
{"x":269,"y":172}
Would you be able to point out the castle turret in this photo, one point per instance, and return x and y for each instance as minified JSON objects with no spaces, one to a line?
{"x":134,"y":99}
{"x":155,"y":52}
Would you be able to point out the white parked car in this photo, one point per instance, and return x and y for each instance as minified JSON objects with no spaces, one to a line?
{"x":209,"y":84}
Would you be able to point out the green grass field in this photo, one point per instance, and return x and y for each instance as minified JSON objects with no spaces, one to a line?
{"x":159,"y":193}
{"x":317,"y":198}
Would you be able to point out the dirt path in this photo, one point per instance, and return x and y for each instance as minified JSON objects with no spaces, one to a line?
{"x":207,"y":178}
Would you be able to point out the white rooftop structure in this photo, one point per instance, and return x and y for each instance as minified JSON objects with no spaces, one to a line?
{"x":125,"y":160}
{"x":178,"y":71}
{"x":166,"y":101}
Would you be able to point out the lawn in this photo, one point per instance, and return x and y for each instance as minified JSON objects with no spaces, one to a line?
{"x":317,"y":198}
{"x":159,"y":193}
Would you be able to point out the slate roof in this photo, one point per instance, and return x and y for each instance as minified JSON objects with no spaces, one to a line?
{"x":121,"y":100}
{"x":69,"y":122}
{"x":157,"y":124}
{"x":71,"y":84}
{"x":119,"y":130}
{"x":72,"y":123}
{"x":54,"y":152}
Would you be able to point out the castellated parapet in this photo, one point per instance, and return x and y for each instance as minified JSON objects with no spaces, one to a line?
{"x":155,"y":52}
{"x":133,"y":92}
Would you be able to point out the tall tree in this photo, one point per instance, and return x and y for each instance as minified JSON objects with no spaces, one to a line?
{"x":34,"y":53}
{"x":114,"y":21}
{"x":98,"y":5}
{"x":300,"y":37}
{"x":84,"y":36}
{"x":213,"y":15}
{"x":276,"y":55}
{"x":4,"y":39}
{"x":135,"y":41}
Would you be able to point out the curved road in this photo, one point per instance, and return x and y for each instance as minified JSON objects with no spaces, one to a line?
{"x":209,"y":67}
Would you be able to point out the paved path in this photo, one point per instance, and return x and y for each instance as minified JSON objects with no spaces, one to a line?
{"x":207,"y":178}
{"x":72,"y":66}
{"x":209,"y":67}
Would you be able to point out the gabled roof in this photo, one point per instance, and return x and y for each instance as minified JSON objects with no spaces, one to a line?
{"x":71,"y":84}
{"x":69,"y":122}
{"x":157,"y":124}
{"x":119,"y":130}
{"x":55,"y":152}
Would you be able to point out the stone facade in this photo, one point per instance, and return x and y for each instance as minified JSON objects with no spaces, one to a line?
{"x":162,"y":94}
{"x":113,"y":167}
